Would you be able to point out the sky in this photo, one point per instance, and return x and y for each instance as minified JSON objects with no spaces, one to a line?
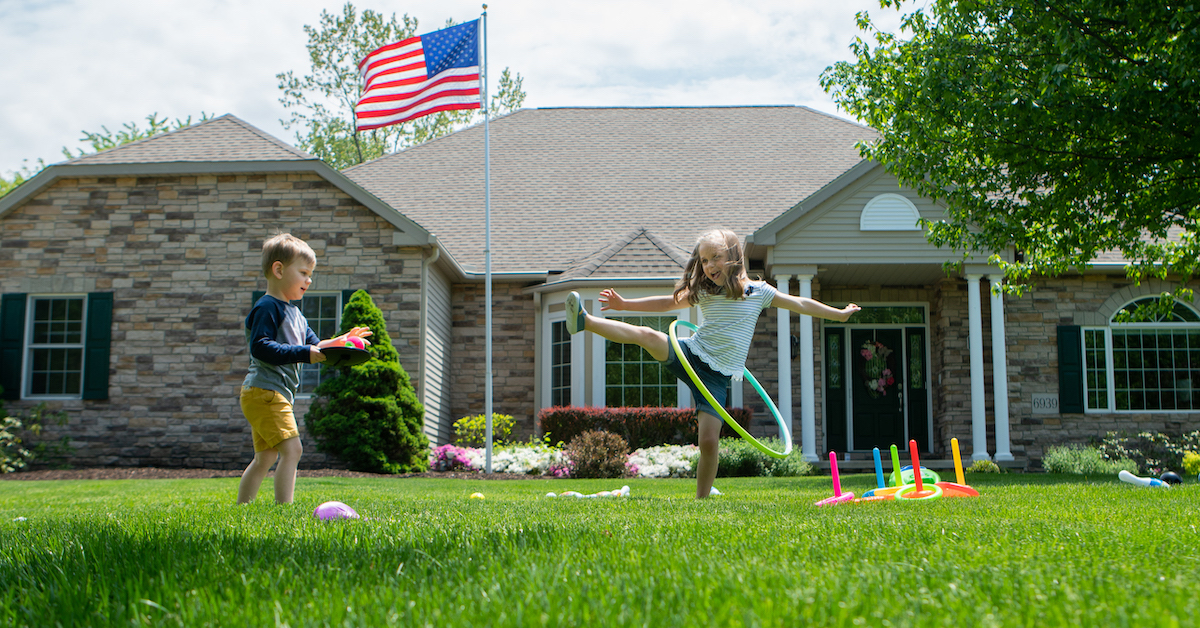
{"x":75,"y":65}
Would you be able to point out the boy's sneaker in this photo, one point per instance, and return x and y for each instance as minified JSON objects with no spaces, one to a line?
{"x":575,"y":313}
{"x":713,"y":492}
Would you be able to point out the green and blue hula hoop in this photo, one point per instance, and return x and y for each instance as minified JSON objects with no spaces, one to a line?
{"x":785,"y":434}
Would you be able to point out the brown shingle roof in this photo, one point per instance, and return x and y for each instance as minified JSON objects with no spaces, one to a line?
{"x":564,"y":181}
{"x":639,"y":253}
{"x":227,"y":138}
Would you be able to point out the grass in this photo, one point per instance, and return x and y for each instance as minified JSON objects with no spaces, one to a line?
{"x":1033,"y":550}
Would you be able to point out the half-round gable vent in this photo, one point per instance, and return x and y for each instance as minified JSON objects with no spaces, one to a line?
{"x":889,"y":212}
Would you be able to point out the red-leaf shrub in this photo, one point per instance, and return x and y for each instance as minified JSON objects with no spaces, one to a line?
{"x":598,"y":454}
{"x":640,"y":427}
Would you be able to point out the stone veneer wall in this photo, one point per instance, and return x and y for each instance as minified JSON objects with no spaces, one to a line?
{"x":1031,"y":323}
{"x":182,"y":255}
{"x":513,"y":356}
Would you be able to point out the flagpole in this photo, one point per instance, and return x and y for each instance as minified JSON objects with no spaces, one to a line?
{"x":487,"y":244}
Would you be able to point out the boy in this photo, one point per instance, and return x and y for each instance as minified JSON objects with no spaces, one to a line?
{"x":280,"y":340}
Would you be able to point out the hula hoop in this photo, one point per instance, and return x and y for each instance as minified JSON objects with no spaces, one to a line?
{"x":784,"y":432}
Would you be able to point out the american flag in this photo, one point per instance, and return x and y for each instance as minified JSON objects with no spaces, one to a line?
{"x":419,"y":76}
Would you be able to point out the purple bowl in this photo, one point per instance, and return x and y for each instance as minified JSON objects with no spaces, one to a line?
{"x":334,"y":510}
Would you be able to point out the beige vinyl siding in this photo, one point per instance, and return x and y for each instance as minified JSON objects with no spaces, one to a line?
{"x":830,"y":233}
{"x":435,"y":392}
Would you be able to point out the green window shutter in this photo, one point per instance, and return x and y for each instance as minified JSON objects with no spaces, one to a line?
{"x":12,"y":344}
{"x":1070,"y":369}
{"x":257,"y":294}
{"x":97,"y":345}
{"x":346,"y":294}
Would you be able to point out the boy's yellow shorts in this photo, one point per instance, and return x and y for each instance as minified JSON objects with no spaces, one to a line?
{"x":270,"y":416}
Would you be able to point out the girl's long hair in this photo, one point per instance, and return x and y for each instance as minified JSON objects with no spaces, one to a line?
{"x":696,"y":282}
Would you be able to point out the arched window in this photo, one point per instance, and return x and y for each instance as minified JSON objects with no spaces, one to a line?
{"x":1147,"y":366}
{"x":889,"y":212}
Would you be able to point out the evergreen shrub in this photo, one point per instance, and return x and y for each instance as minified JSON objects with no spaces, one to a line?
{"x":368,"y":416}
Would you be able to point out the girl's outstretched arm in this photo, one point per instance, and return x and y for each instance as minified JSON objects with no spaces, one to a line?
{"x":610,"y":300}
{"x":812,"y":307}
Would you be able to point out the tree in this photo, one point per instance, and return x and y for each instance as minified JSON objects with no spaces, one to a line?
{"x":102,"y":140}
{"x":369,"y":416}
{"x":1063,"y":129}
{"x":130,"y":132}
{"x":322,"y":102}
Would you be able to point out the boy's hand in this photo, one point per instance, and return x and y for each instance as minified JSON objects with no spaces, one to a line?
{"x":848,"y":311}
{"x":314,"y":355}
{"x":340,"y":341}
{"x":610,"y":300}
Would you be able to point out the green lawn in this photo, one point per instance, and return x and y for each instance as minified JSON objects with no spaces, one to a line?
{"x":1033,"y":550}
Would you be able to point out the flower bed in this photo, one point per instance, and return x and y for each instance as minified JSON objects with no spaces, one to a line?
{"x":665,"y":461}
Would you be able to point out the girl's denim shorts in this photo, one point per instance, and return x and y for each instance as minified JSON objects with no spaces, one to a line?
{"x":716,"y":382}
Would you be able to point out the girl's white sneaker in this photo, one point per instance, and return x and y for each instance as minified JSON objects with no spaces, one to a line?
{"x":575,"y":313}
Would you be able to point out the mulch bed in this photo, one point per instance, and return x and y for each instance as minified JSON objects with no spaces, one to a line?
{"x":156,"y":473}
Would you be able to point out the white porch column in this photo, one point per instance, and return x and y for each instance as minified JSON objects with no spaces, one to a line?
{"x":808,"y":403}
{"x":783,"y":344}
{"x":999,"y":370}
{"x":978,"y":407}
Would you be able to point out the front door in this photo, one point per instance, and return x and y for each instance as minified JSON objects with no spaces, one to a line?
{"x":876,"y":380}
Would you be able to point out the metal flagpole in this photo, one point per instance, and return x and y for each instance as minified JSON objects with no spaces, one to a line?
{"x":487,"y":246}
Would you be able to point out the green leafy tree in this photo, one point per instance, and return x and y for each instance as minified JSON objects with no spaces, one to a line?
{"x":322,"y":103}
{"x":130,"y":132}
{"x":103,"y":140}
{"x":369,"y":416}
{"x":1063,"y":129}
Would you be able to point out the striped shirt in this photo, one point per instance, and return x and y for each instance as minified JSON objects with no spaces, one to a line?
{"x":723,"y":340}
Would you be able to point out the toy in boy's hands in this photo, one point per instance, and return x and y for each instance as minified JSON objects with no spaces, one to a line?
{"x":348,"y":349}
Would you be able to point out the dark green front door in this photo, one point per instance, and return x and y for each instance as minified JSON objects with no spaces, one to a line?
{"x":876,"y":380}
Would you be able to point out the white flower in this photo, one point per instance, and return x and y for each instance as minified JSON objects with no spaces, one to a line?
{"x":674,"y":461}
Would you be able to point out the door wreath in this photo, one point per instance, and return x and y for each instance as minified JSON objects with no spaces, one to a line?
{"x":876,"y":375}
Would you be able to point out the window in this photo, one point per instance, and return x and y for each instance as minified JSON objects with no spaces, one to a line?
{"x":560,"y":364}
{"x":55,"y":345}
{"x":1146,"y":366}
{"x":632,"y":378}
{"x":323,"y":312}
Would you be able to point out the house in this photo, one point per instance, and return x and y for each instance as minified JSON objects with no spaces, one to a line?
{"x":126,"y":276}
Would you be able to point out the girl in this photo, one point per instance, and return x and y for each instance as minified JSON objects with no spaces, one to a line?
{"x":715,"y":279}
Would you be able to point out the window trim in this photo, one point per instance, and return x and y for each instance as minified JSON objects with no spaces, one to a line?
{"x":1109,"y":361}
{"x":27,"y":346}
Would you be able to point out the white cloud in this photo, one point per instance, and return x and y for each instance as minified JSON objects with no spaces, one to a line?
{"x":82,"y":64}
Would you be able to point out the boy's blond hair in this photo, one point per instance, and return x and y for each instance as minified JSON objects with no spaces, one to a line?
{"x":285,"y":248}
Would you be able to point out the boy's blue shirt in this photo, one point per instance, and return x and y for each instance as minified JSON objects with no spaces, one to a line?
{"x":279,"y":339}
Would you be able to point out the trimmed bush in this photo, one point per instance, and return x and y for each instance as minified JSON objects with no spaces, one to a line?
{"x":984,"y":466}
{"x":1154,"y":452}
{"x":738,"y":457}
{"x":598,"y":454}
{"x":1191,"y":463}
{"x":1083,"y":460}
{"x":16,"y":432}
{"x":640,"y":427}
{"x":471,"y":431}
{"x":369,"y":416}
